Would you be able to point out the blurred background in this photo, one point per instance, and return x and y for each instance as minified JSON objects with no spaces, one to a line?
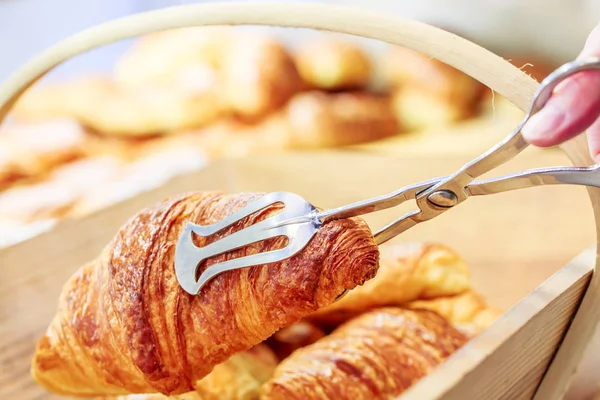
{"x":552,"y":29}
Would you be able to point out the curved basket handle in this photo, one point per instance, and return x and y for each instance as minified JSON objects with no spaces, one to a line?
{"x":479,"y":63}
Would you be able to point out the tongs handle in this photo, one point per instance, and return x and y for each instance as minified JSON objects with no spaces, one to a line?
{"x":585,"y":176}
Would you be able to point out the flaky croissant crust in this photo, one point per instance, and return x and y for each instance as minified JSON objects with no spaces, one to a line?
{"x":376,"y":355}
{"x":125,"y":326}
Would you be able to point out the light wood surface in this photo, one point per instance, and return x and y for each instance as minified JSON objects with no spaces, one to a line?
{"x":481,"y":64}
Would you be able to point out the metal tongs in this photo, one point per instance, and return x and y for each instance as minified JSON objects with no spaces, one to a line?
{"x":299,"y":220}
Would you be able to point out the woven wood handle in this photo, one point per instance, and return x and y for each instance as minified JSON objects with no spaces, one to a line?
{"x":479,"y":63}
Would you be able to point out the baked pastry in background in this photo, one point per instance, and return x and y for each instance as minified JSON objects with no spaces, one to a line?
{"x":60,"y":192}
{"x":31,"y":151}
{"x":376,"y":355}
{"x":238,"y":378}
{"x":317,"y":119}
{"x":407,"y":272}
{"x":125,"y":326}
{"x":259,"y":76}
{"x":175,"y":57}
{"x":406,"y":67}
{"x":102,"y":105}
{"x":419,"y":110}
{"x":428,"y":93}
{"x":309,"y":120}
{"x":469,"y":312}
{"x":251,"y":74}
{"x":333,"y":64}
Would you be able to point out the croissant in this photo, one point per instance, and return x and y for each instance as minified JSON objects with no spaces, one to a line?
{"x":29,"y":151}
{"x":469,"y":311}
{"x":168,"y":56}
{"x":332,"y":64}
{"x":420,"y":110}
{"x":405,"y":67}
{"x":106,"y":107}
{"x":407,"y":272}
{"x":317,"y":119}
{"x":124,"y":325}
{"x":252,"y":74}
{"x":376,"y":355}
{"x":238,"y":378}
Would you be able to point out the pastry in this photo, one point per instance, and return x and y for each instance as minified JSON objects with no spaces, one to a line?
{"x":290,"y":338}
{"x":377,"y":355}
{"x":125,"y":326}
{"x":259,"y":76}
{"x":317,"y":119}
{"x":407,"y":272}
{"x":238,"y":378}
{"x":405,"y":67}
{"x":251,"y":74}
{"x":332,"y":64}
{"x":174,"y":57}
{"x":30,"y":151}
{"x":469,"y":312}
{"x":112,"y":110}
{"x":419,"y":110}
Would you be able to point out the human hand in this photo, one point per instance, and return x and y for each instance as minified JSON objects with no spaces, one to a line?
{"x":573,"y":107}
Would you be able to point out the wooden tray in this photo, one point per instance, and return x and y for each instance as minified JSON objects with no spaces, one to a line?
{"x":531,"y":352}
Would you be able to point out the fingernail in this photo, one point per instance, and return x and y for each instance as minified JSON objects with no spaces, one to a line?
{"x":542,"y":126}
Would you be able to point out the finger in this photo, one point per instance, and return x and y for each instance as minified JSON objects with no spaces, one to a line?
{"x":574,"y":106}
{"x":593,"y":134}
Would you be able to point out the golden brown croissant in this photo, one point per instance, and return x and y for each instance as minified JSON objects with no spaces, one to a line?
{"x":290,"y":338}
{"x":407,"y":67}
{"x":102,"y":105}
{"x":376,"y":355}
{"x":332,"y":64}
{"x":251,"y":73}
{"x":171,"y":57}
{"x":259,"y":76}
{"x":407,"y":272}
{"x":30,"y":151}
{"x":238,"y":378}
{"x":318,"y":119}
{"x":469,"y":311}
{"x":420,"y":110}
{"x":124,"y":325}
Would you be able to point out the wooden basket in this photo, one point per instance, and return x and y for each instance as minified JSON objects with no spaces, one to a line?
{"x":531,"y":352}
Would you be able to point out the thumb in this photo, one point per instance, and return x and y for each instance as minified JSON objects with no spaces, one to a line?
{"x":573,"y":107}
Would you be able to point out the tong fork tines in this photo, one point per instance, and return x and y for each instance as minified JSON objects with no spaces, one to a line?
{"x":299,"y":220}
